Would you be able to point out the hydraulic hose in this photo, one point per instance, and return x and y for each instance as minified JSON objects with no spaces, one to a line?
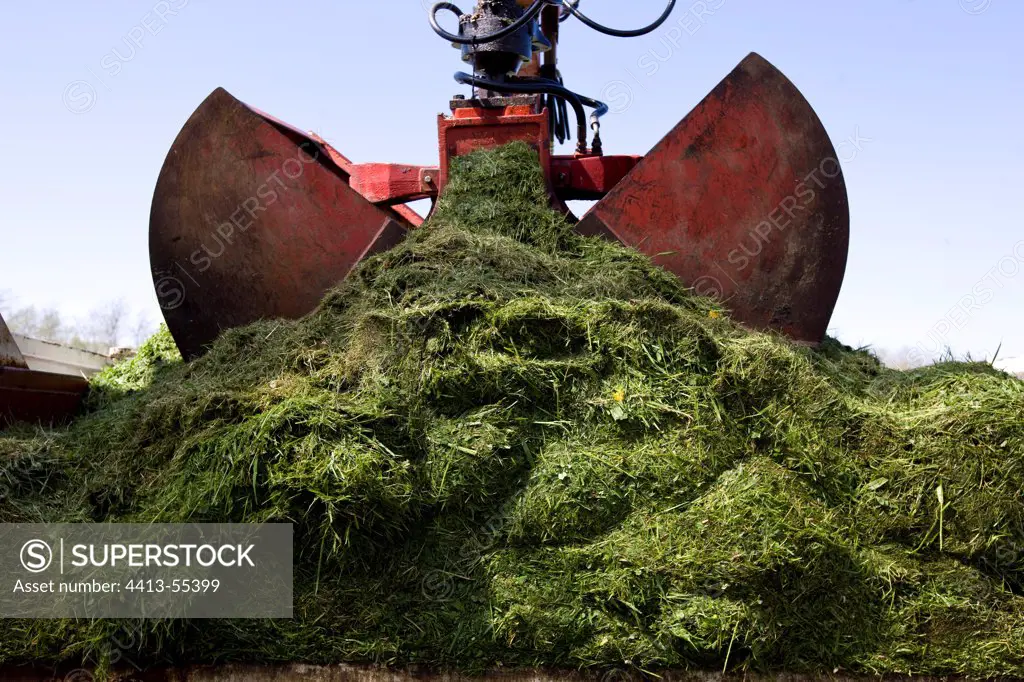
{"x":618,"y":33}
{"x":556,"y":106}
{"x":599,"y":107}
{"x":564,"y":13}
{"x":532,"y":87}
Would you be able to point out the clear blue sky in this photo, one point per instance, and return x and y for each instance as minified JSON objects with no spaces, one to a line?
{"x":935,"y":85}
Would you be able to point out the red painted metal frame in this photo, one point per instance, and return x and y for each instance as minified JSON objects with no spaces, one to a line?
{"x":470,"y":129}
{"x":388,"y":184}
{"x":589,"y":177}
{"x":571,"y":177}
{"x":363,"y":179}
{"x":477,"y":127}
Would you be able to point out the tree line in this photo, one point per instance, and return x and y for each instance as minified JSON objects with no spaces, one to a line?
{"x":107,"y":326}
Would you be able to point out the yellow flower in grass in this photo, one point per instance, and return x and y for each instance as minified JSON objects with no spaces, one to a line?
{"x":714,"y":314}
{"x":619,"y":395}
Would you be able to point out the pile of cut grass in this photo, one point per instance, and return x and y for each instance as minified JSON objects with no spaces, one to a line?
{"x":501,"y":443}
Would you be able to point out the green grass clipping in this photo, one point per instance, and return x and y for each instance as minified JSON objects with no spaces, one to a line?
{"x":504,"y":444}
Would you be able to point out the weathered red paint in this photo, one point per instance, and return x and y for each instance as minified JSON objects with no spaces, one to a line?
{"x":386,"y":184}
{"x":473,"y":128}
{"x":744,"y":200}
{"x":588,"y":177}
{"x":410,"y":216}
{"x":572,"y":177}
{"x":252,"y":220}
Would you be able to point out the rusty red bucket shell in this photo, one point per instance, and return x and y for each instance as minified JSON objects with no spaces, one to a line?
{"x":39,"y":397}
{"x":744,"y":200}
{"x":253,"y":219}
{"x":30,"y":396}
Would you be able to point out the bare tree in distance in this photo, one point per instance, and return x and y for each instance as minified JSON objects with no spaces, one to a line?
{"x":45,"y":325}
{"x":51,"y":327}
{"x":108,"y":322}
{"x":143,"y":329}
{"x":107,"y":326}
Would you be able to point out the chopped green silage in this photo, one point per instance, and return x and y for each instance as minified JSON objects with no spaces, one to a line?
{"x":502,"y":443}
